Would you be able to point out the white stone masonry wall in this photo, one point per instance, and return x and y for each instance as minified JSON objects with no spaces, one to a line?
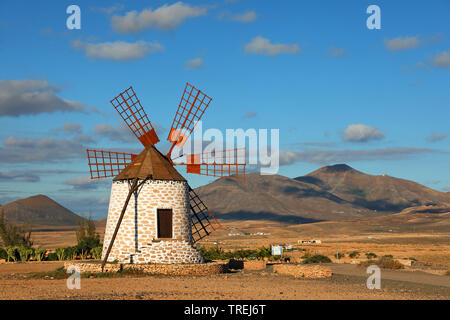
{"x":137,"y":240}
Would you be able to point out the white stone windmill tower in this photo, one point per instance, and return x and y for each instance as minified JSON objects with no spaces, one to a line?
{"x":154,"y":215}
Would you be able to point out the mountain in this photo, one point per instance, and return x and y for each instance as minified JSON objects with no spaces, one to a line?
{"x":381,"y":193}
{"x":39,"y":210}
{"x":331,"y":193}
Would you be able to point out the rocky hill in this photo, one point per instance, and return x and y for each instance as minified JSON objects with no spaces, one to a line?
{"x":330,"y":193}
{"x":39,"y":210}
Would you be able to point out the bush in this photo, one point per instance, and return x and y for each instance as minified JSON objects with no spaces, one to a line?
{"x":3,"y":254}
{"x":370,"y":255}
{"x":384,"y":262}
{"x":85,"y":246}
{"x":317,"y":258}
{"x":13,"y":235}
{"x":354,"y":254}
{"x":12,"y":254}
{"x":263,"y":252}
{"x":52,"y":256}
{"x":39,"y":254}
{"x":25,"y":253}
{"x":217,"y":253}
{"x":97,"y":252}
{"x":339,"y":255}
{"x":60,"y":253}
{"x":66,"y":253}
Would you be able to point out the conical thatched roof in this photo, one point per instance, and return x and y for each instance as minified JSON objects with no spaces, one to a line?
{"x":150,"y":163}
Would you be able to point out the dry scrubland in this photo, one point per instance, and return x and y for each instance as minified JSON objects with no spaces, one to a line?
{"x":431,"y":248}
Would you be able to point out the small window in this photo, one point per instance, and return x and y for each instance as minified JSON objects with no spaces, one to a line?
{"x":164,"y":223}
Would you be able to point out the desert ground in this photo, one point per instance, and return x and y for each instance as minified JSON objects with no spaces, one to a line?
{"x":428,"y":278}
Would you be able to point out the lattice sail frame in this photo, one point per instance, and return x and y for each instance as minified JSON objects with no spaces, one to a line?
{"x":203,"y":221}
{"x":130,"y":109}
{"x":220,"y":163}
{"x":192,"y":105}
{"x":103,"y":164}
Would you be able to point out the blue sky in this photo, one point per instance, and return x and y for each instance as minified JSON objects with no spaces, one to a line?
{"x":377,"y":100}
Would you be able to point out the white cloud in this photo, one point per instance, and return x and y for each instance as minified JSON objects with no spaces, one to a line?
{"x":250,"y":114}
{"x":361,"y":133}
{"x":19,"y":176}
{"x":442,"y":59}
{"x":72,"y":127}
{"x":85,"y":183}
{"x":121,"y":133}
{"x":118,"y":50}
{"x":288,"y":157}
{"x":83,"y":138}
{"x":244,"y":17}
{"x":23,"y":97}
{"x":166,"y":17}
{"x":398,"y":44}
{"x":108,"y":10}
{"x":336,"y":52}
{"x":192,"y":64}
{"x":25,"y":150}
{"x":435,"y":137}
{"x":261,"y":45}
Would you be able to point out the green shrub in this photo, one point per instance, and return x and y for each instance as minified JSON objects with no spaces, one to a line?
{"x":14,"y":235}
{"x":12,"y":254}
{"x":70,"y":252}
{"x":87,"y":238}
{"x":66,"y":253}
{"x":60,"y":253}
{"x":97,"y":252}
{"x":39,"y":254}
{"x":384,"y":262}
{"x":25,"y":253}
{"x":263,"y":252}
{"x":317,"y":258}
{"x":339,"y":255}
{"x":217,"y":253}
{"x":84,"y":247}
{"x":388,"y":256}
{"x":52,"y":256}
{"x":354,"y":254}
{"x":3,"y":254}
{"x":370,"y":255}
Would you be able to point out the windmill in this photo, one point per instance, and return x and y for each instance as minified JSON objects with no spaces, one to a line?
{"x":154,"y":216}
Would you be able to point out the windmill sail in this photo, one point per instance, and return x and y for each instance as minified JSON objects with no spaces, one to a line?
{"x":203,"y":221}
{"x":223,"y":163}
{"x":103,"y":164}
{"x":131,"y":111}
{"x":192,"y":105}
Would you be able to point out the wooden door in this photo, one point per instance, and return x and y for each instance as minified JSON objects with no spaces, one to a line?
{"x":164,"y":223}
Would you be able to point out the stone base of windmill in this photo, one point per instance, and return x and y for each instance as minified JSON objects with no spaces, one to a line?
{"x":151,"y":269}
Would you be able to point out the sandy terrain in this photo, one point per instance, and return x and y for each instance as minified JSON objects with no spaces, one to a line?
{"x":348,"y":282}
{"x":431,"y":248}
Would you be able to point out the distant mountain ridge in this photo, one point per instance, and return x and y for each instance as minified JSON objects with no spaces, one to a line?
{"x":39,"y":210}
{"x":335,"y":192}
{"x":330,"y":193}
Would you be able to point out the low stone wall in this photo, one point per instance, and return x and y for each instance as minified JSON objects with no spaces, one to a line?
{"x":153,"y":269}
{"x":302,"y":271}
